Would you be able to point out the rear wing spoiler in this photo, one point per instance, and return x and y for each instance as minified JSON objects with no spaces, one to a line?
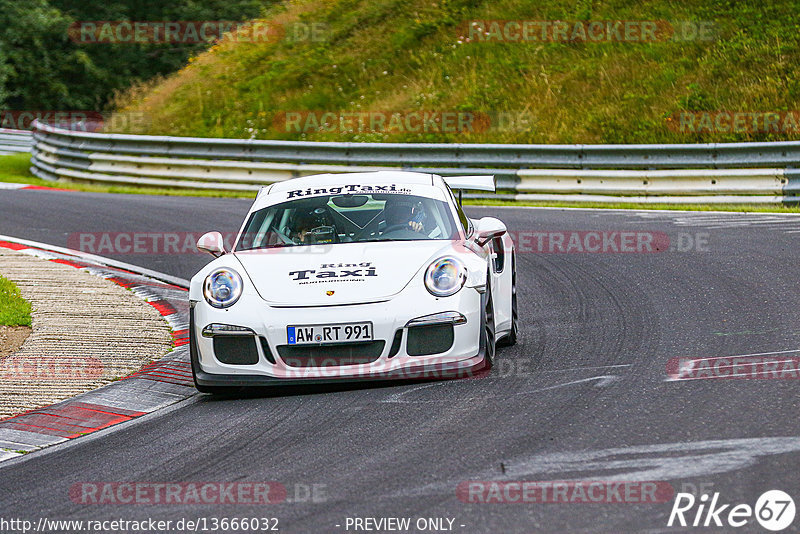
{"x":480,"y":183}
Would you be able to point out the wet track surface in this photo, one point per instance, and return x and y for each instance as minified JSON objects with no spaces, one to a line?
{"x":584,"y":395}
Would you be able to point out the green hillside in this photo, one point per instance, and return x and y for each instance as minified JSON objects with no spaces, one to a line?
{"x":379,"y":61}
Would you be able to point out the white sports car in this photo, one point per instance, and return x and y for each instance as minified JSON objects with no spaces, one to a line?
{"x":341,"y":277}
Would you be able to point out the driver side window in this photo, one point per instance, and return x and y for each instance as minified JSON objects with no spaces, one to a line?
{"x":465,"y":222}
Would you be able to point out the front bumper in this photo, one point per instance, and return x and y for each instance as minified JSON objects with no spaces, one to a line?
{"x":268,"y":325}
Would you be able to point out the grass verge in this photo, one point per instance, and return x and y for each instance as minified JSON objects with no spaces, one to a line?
{"x":14,"y":310}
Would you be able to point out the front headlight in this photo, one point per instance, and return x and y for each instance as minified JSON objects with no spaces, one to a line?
{"x":222,"y":288}
{"x":445,"y":277}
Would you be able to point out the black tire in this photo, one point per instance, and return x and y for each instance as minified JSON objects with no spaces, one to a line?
{"x":487,"y":320}
{"x":510,"y":339}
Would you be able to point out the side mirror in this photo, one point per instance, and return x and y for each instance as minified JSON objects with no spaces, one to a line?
{"x":212,"y":243}
{"x":487,"y":229}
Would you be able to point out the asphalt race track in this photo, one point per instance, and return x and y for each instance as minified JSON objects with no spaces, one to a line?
{"x":584,"y":395}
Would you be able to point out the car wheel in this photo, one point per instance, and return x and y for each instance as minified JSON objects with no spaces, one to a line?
{"x":511,"y":338}
{"x":488,"y":326}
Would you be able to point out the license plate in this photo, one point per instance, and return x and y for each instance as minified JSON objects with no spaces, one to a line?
{"x":328,"y":333}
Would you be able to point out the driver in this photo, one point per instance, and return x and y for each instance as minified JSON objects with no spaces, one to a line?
{"x":406,"y":214}
{"x":314,"y":227}
{"x":303,"y":226}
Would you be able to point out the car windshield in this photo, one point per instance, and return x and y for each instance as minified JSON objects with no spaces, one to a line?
{"x":350,"y":218}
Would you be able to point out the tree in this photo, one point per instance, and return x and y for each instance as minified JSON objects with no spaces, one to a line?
{"x":41,"y":68}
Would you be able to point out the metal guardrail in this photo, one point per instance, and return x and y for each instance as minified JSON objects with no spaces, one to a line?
{"x":14,"y":141}
{"x":731,"y":172}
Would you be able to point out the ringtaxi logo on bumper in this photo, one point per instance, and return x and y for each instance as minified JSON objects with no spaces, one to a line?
{"x":774,"y":510}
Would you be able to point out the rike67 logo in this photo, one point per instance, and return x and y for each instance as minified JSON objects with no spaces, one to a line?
{"x":774,"y":510}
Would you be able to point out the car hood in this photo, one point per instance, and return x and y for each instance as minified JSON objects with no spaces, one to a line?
{"x":344,"y":273}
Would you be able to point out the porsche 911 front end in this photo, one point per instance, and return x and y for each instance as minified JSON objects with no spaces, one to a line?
{"x":334,"y":329}
{"x":342,"y":282}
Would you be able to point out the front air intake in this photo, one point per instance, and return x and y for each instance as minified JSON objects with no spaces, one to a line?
{"x":431,"y":339}
{"x":267,"y":353}
{"x":236,"y":350}
{"x":331,"y":355}
{"x":398,"y":339}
